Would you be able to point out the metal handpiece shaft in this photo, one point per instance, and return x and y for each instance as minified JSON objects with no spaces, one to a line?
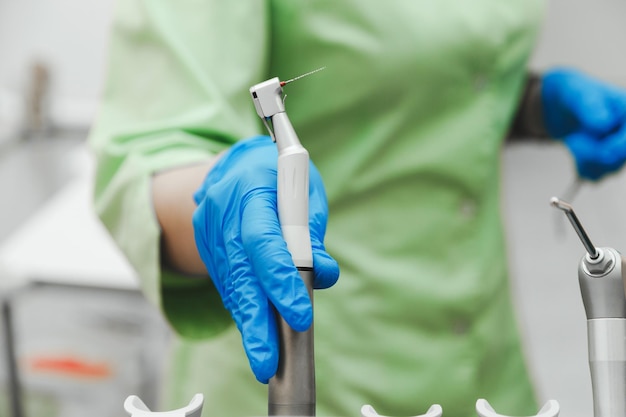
{"x":569,"y":212}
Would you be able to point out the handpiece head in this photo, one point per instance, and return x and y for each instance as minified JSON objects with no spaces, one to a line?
{"x":268,"y":98}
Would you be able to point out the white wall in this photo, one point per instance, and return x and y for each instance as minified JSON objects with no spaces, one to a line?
{"x":69,"y":36}
{"x":589,"y":34}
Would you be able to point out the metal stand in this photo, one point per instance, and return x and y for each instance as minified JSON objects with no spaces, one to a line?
{"x":15,"y":391}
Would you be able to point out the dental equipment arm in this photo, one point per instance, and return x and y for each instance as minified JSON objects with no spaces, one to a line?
{"x":601,"y":278}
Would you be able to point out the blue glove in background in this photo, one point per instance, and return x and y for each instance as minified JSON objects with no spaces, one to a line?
{"x":589,"y":116}
{"x":239,"y":239}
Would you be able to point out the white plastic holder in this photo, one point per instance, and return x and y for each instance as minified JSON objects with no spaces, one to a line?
{"x":136,"y":408}
{"x":435,"y":410}
{"x":550,"y":409}
{"x":483,"y":408}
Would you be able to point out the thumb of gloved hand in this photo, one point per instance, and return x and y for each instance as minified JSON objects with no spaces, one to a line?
{"x":239,"y":239}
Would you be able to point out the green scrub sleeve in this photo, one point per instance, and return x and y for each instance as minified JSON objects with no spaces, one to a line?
{"x":176,"y":93}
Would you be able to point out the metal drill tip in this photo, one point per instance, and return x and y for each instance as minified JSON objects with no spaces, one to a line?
{"x":301,"y":76}
{"x":569,"y":212}
{"x":560,"y":204}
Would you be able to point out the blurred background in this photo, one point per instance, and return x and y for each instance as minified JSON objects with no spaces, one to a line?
{"x":77,"y":335}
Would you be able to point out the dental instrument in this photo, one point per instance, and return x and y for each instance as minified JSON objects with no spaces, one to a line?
{"x":601,"y":278}
{"x":291,"y":391}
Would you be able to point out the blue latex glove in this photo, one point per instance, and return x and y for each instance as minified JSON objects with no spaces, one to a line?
{"x":239,"y":239}
{"x":590,"y":116}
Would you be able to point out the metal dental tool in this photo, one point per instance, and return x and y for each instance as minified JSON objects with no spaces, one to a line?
{"x":571,"y":216}
{"x":569,"y":194}
{"x":283,"y":83}
{"x":601,"y":278}
{"x":292,"y":389}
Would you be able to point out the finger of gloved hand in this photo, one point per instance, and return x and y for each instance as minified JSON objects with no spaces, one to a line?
{"x":253,"y":315}
{"x":260,"y":340}
{"x":271,"y":261}
{"x":264,"y":150}
{"x":210,"y":243}
{"x":595,"y":111}
{"x":215,"y":175}
{"x":596,"y":158}
{"x":613,"y":149}
{"x":318,"y":212}
{"x":325,"y":267}
{"x":583,"y":148}
{"x":573,"y":101}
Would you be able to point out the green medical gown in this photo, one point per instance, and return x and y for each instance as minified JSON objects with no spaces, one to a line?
{"x":406,"y":126}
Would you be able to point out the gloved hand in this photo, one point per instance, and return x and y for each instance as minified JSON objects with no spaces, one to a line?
{"x":239,"y":239}
{"x":590,"y":116}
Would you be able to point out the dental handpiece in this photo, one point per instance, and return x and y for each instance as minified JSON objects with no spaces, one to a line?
{"x":291,"y":391}
{"x":601,"y":279}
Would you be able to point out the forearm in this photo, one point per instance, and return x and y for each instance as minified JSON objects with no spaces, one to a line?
{"x":528,"y":121}
{"x":172,"y":196}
